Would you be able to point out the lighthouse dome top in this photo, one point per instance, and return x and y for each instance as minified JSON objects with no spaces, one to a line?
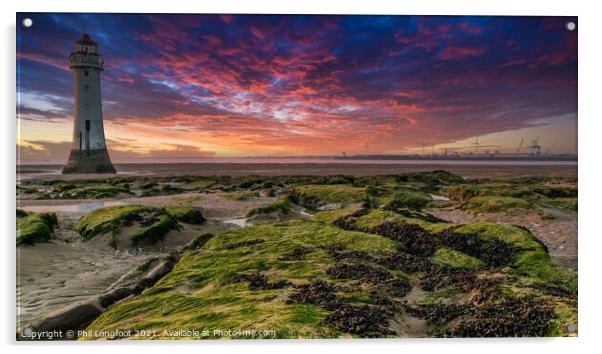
{"x":86,"y":54}
{"x":86,"y":39}
{"x":85,"y":45}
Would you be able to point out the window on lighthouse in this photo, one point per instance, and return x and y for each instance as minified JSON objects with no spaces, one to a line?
{"x":86,"y":73}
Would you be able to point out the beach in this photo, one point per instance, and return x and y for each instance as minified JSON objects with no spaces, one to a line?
{"x":70,"y":269}
{"x":320,"y":167}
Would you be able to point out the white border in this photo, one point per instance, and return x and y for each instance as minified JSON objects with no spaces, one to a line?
{"x":404,"y":7}
{"x":589,"y":159}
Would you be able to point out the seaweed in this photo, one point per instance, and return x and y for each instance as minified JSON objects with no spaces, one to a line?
{"x":246,"y":243}
{"x":364,"y":320}
{"x":258,"y":281}
{"x":34,"y":228}
{"x":408,"y":199}
{"x":438,"y":313}
{"x":517,"y":317}
{"x":185,"y":214}
{"x":318,"y":292}
{"x":297,"y":254}
{"x":155,"y":232}
{"x":283,"y":205}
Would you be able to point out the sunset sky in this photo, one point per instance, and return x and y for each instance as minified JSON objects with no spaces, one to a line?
{"x":197,"y":86}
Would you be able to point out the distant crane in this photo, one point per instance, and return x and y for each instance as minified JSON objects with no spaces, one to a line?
{"x":495,"y":149}
{"x":522,"y":140}
{"x":476,"y":146}
{"x":535,"y":148}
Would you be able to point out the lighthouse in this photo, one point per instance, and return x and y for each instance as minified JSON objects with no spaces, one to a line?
{"x":88,"y":151}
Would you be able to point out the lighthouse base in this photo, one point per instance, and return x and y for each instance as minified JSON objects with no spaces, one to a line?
{"x":95,"y":161}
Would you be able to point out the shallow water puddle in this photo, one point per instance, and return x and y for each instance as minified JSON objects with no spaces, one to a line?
{"x":439,"y":197}
{"x":305,"y":214}
{"x":242,"y":222}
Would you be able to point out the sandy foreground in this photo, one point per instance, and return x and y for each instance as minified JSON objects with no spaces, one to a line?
{"x":54,"y":275}
{"x":51,"y":276}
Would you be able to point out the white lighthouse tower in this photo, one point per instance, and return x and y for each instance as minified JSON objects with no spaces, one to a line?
{"x":88,"y":151}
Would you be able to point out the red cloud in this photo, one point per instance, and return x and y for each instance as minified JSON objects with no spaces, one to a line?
{"x":457,"y":53}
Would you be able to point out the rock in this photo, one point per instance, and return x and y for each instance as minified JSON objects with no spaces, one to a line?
{"x":157,"y":273}
{"x":74,"y":317}
{"x":198,"y":241}
{"x":80,"y":315}
{"x":111,"y":297}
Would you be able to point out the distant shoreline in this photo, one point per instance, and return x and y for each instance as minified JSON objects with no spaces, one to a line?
{"x":477,"y":169}
{"x":350,"y":161}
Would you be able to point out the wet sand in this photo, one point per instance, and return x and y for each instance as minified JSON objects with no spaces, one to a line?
{"x":56,"y":274}
{"x":462,"y":168}
{"x":53,"y":275}
{"x":64,"y":271}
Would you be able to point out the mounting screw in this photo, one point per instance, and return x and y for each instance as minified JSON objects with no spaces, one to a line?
{"x":571,"y":26}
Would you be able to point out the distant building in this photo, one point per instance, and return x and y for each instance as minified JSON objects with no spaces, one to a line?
{"x":89,"y":151}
